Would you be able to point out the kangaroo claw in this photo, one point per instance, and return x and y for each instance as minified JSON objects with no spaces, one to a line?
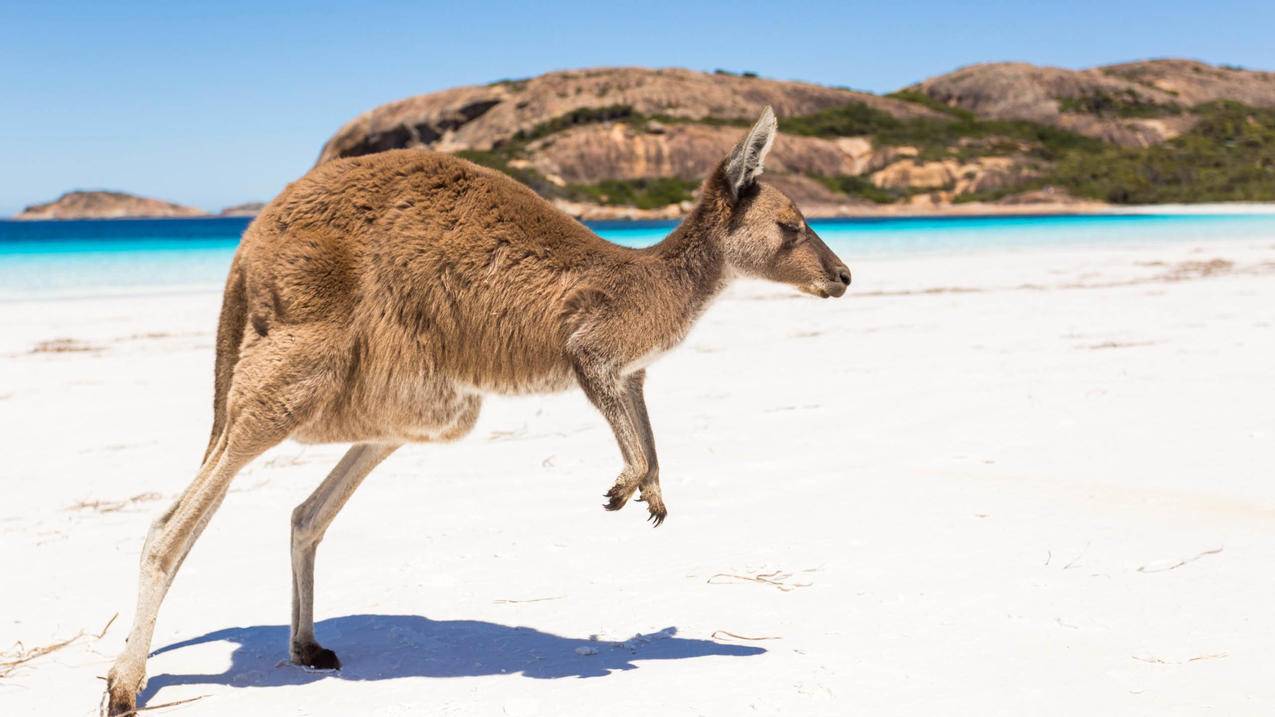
{"x":618,"y":496}
{"x":655,"y":505}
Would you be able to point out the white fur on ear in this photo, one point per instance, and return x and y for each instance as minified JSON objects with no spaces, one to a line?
{"x":745,"y":163}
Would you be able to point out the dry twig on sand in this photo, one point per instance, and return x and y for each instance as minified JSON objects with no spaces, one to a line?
{"x":508,"y":435}
{"x":1153,"y":660}
{"x":504,"y":601}
{"x":63,"y":345}
{"x":778,"y":579}
{"x":102,"y":633}
{"x":20,"y":655}
{"x":148,"y":708}
{"x":113,"y":506}
{"x":727,"y":634}
{"x":1075,"y":562}
{"x":1163,"y":565}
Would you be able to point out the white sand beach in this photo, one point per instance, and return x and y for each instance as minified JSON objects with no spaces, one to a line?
{"x":1035,"y":481}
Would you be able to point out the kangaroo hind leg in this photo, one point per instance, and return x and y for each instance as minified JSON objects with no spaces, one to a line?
{"x":170,"y":539}
{"x":270,"y":396}
{"x":310,"y":520}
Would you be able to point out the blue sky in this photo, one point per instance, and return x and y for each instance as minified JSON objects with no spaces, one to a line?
{"x":217,"y":104}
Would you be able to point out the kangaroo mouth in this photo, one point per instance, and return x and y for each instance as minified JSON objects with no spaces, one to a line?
{"x":825,"y":289}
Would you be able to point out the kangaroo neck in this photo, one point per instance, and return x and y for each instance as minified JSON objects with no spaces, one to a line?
{"x":692,"y":262}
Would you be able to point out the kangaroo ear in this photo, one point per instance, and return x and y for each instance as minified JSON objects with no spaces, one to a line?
{"x":744,"y":165}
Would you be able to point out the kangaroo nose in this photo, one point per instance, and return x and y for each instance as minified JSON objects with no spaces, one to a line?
{"x":843,"y":275}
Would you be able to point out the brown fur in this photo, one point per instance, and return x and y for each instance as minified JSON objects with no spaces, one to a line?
{"x":377,"y":299}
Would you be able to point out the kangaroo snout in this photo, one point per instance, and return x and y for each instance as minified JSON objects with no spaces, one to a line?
{"x":838,"y":284}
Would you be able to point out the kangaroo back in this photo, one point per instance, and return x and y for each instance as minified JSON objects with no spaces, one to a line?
{"x":230,"y":328}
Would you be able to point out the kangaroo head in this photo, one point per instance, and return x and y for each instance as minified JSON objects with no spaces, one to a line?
{"x":766,"y":236}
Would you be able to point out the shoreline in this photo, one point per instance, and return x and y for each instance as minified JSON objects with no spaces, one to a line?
{"x":136,"y":269}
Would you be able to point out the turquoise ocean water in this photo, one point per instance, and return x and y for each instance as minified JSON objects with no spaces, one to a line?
{"x":124,"y":256}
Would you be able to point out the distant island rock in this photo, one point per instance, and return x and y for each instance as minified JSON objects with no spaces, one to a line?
{"x":247,"y":209}
{"x":635,"y":142}
{"x":106,"y":205}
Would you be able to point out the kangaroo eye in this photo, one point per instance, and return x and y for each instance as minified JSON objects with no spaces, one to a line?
{"x":792,"y":235}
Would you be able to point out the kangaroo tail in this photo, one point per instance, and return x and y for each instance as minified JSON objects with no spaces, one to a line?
{"x":230,"y":328}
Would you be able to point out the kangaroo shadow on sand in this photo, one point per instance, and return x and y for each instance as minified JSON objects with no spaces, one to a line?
{"x":385,"y":647}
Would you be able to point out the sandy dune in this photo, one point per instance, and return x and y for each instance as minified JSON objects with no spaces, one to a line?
{"x":1028,"y":482}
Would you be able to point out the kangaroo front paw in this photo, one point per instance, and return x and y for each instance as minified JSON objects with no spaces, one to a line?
{"x":619,"y":494}
{"x":315,"y":656}
{"x":655,"y":505}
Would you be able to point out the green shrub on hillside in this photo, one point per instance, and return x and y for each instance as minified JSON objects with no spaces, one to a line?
{"x":849,"y":120}
{"x":640,"y":121}
{"x":1126,"y":103}
{"x":1228,"y":156}
{"x":861,"y":187}
{"x":512,"y":85}
{"x":935,"y":138}
{"x":641,"y":193}
{"x":579,"y":116}
{"x":610,"y":113}
{"x":920,"y":98}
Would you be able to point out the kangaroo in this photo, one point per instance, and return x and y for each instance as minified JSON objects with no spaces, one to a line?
{"x":376,"y":301}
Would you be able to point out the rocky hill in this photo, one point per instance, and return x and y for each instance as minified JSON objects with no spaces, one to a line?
{"x":1133,"y":105}
{"x":485,"y":116}
{"x":626,"y":137}
{"x":105,"y":205}
{"x":635,"y":142}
